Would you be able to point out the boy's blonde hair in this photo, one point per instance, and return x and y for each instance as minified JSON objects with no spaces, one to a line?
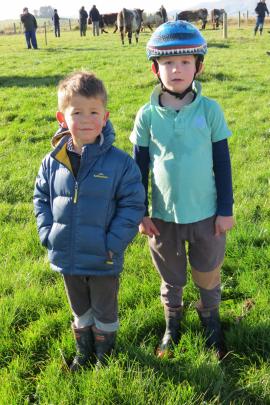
{"x":81,"y":83}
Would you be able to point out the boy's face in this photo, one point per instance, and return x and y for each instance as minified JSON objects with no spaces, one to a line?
{"x":177,"y":72}
{"x":84,"y":117}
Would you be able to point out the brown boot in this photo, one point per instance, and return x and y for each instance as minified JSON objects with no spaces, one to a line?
{"x":212,"y":328}
{"x":84,"y":347}
{"x":104,"y":345}
{"x":173,"y":317}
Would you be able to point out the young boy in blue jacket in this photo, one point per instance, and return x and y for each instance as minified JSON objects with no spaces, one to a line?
{"x":181,"y":137}
{"x":88,"y":202}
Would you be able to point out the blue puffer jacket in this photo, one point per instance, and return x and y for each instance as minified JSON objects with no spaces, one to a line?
{"x":80,"y":220}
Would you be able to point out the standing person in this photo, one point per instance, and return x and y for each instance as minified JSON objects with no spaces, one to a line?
{"x":30,"y":26}
{"x":83,"y":21}
{"x":260,"y":10}
{"x":95,"y":18}
{"x":102,"y":25}
{"x":56,"y":23}
{"x":88,"y":202}
{"x":181,"y":136}
{"x":163,"y":13}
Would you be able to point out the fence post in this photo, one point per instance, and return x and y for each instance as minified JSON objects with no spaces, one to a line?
{"x":69,"y":24}
{"x":225,"y":25}
{"x":14,"y":27}
{"x":45,"y":32}
{"x":239,"y":19}
{"x":247,"y":17}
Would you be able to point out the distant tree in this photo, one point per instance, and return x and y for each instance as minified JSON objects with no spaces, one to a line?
{"x":46,"y":12}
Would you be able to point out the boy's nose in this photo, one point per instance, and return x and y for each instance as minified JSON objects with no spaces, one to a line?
{"x":177,"y":67}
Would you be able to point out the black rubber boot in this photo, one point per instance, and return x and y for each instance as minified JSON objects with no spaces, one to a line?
{"x":173,"y":317}
{"x":212,"y":328}
{"x":104,"y":345}
{"x":84,"y":347}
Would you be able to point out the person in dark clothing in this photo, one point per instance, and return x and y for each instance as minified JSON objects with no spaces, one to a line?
{"x":163,"y":13}
{"x":260,"y":10}
{"x":56,"y":23}
{"x":95,"y":17}
{"x":30,"y":25}
{"x":102,"y":25}
{"x":83,"y":21}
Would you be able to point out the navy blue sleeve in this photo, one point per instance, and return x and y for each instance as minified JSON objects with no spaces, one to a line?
{"x":142,"y":158}
{"x":223,"y":177}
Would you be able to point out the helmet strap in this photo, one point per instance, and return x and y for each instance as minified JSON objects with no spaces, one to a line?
{"x":180,"y":96}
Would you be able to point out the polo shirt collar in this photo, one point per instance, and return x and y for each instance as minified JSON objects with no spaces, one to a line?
{"x":154,"y":99}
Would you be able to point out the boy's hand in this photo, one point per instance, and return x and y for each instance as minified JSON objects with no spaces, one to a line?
{"x":147,"y":227}
{"x":223,"y":224}
{"x":110,"y":254}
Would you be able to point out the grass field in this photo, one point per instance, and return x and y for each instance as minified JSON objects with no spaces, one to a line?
{"x":34,"y":313}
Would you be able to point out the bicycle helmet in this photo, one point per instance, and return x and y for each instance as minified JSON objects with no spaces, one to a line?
{"x":176,"y":38}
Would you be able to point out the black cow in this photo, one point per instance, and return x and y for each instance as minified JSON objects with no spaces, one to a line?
{"x":217,"y":17}
{"x":194,"y":15}
{"x":129,"y":21}
{"x":110,"y":19}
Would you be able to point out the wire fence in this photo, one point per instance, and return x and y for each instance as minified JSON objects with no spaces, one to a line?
{"x":16,"y":27}
{"x":9,"y":27}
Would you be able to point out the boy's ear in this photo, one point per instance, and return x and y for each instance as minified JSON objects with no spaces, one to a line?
{"x":106,"y":117}
{"x":61,"y":119}
{"x":154,"y":69}
{"x":200,"y":70}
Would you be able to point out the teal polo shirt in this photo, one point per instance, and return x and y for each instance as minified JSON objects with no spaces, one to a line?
{"x":180,"y":148}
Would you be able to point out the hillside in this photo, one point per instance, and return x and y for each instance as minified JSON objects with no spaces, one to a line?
{"x":231,"y":6}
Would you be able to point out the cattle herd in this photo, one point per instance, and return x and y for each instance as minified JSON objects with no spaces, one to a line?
{"x":134,"y":21}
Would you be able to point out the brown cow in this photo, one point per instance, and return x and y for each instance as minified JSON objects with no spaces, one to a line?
{"x":129,"y":21}
{"x":217,"y":17}
{"x":194,"y":15}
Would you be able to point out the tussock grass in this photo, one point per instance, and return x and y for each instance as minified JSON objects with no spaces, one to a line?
{"x":34,"y":314}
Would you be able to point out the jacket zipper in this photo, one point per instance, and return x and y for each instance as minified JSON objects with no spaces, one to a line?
{"x":75,"y":199}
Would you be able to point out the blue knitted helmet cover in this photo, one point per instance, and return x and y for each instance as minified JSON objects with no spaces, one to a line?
{"x":176,"y":38}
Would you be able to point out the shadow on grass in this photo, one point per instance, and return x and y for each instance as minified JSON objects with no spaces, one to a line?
{"x":70,"y":49}
{"x":249,"y":340}
{"x":246,"y":345}
{"x":218,"y":45}
{"x":219,"y":76}
{"x":30,"y":81}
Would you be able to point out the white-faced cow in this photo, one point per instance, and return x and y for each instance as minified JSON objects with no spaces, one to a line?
{"x":153,"y":20}
{"x":217,"y":17}
{"x":129,"y":21}
{"x":194,"y":15}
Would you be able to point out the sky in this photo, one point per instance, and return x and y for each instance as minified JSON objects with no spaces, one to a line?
{"x":13,"y":8}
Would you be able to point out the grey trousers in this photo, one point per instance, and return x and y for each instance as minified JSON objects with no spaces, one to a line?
{"x":94,"y":300}
{"x":95,"y":27}
{"x":205,"y":252}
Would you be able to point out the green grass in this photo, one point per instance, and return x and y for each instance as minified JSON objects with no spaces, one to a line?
{"x":34,"y":313}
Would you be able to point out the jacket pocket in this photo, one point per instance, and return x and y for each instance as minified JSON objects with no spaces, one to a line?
{"x":57,"y":238}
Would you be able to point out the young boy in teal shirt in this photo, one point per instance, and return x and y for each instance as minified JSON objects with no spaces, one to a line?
{"x":181,"y":137}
